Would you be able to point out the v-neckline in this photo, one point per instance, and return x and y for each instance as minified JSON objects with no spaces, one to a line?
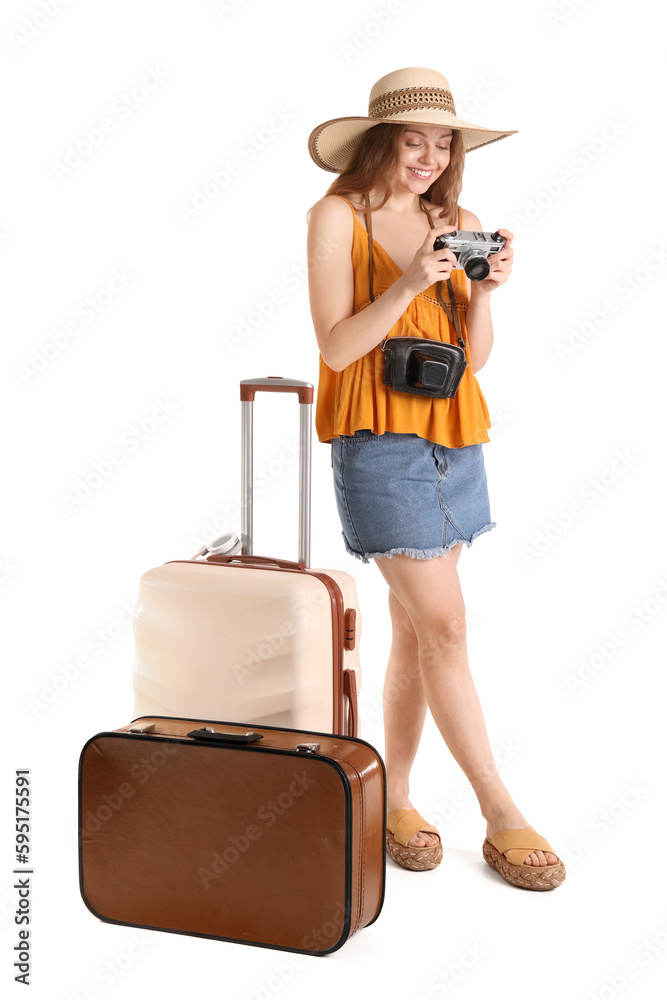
{"x":385,"y":252}
{"x":387,"y":255}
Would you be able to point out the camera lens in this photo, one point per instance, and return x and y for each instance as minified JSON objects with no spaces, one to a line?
{"x":476,"y":268}
{"x":433,"y":374}
{"x":426,"y":372}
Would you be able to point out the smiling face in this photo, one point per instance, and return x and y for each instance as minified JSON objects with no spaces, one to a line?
{"x":423,"y":154}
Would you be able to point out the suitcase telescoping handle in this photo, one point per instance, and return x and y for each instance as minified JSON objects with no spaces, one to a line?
{"x":304,"y":390}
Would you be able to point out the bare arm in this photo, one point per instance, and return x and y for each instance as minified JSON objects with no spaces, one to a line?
{"x":480,"y":327}
{"x":342,"y":336}
{"x":478,"y":319}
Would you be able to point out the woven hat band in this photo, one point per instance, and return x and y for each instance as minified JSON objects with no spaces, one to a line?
{"x":408,"y":98}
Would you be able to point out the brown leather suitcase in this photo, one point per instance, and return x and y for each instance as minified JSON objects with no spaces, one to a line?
{"x":265,"y":836}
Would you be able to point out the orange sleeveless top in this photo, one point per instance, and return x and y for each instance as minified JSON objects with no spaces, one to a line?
{"x":356,"y":397}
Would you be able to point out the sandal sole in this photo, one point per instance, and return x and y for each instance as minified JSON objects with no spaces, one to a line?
{"x":415,"y":859}
{"x":524,"y":876}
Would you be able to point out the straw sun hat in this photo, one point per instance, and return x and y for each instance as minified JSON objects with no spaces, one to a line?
{"x":419,"y":96}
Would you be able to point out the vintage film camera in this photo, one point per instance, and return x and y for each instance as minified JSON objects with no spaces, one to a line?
{"x":427,"y":367}
{"x":471,"y":250}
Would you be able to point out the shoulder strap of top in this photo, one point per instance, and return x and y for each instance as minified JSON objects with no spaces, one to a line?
{"x":348,"y":202}
{"x":369,"y":230}
{"x":370,"y":239}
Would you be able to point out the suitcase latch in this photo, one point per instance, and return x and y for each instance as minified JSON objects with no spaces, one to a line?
{"x":308,"y":747}
{"x":350,"y":622}
{"x":143,"y":727}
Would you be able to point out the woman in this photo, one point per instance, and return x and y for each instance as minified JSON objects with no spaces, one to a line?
{"x":408,"y":469}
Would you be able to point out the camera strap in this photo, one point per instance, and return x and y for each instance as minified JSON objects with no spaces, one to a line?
{"x":452,"y":315}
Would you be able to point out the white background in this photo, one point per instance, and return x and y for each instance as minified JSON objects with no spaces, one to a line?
{"x":541,"y":597}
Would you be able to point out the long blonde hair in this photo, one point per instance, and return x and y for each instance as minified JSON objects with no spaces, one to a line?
{"x":376,"y":156}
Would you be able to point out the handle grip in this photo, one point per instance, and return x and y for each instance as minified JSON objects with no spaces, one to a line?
{"x":212,"y":736}
{"x":282,"y":563}
{"x":276,"y":383}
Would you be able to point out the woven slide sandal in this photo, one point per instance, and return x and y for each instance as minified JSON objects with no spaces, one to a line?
{"x":402,"y":824}
{"x":517,"y":845}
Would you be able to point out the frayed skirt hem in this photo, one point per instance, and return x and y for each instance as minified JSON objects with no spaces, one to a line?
{"x":416,"y":553}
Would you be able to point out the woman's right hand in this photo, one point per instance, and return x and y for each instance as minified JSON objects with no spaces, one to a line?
{"x":429,"y":265}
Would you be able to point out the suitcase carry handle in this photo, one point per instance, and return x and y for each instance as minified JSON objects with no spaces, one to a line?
{"x":304,"y":391}
{"x":214,"y":736}
{"x":282,"y":563}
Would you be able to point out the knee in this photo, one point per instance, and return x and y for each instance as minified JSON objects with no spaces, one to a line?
{"x":445,"y":631}
{"x":401,"y":623}
{"x":403,"y":636}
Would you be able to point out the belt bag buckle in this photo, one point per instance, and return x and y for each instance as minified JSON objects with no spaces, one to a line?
{"x":423,"y":367}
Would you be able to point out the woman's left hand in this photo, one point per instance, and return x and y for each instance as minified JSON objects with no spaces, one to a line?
{"x":500,"y":265}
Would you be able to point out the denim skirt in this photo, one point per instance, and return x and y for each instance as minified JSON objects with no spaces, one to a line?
{"x":401,"y":493}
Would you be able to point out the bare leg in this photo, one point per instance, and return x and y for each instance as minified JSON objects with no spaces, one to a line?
{"x":404,"y":712}
{"x":429,"y":590}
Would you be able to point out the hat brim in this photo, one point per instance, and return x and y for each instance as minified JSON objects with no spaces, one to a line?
{"x":332,"y":143}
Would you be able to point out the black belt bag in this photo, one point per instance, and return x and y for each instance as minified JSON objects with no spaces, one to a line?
{"x":420,"y":365}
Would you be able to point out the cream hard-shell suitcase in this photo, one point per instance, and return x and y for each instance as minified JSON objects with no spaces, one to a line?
{"x":249,"y":638}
